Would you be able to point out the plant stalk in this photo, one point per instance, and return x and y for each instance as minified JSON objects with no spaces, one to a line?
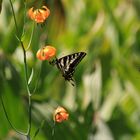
{"x":26,"y":75}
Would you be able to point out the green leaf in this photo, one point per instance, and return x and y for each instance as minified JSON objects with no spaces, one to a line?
{"x":38,"y":129}
{"x":31,"y":76}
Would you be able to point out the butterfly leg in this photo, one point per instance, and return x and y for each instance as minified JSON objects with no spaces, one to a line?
{"x":53,"y":62}
{"x":72,"y":81}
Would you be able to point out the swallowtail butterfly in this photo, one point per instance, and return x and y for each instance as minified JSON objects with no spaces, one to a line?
{"x":67,"y":65}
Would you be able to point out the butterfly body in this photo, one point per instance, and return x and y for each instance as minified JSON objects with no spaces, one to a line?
{"x":68,"y":63}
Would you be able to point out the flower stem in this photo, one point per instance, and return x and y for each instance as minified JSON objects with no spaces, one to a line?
{"x":26,"y":75}
{"x":14,"y":17}
{"x":5,"y":112}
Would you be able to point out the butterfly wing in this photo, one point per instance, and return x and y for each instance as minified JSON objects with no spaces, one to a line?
{"x":67,"y":64}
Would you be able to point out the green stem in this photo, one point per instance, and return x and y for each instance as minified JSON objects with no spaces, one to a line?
{"x":26,"y":75}
{"x":5,"y":112}
{"x":29,"y":116}
{"x":24,"y":20}
{"x":14,"y":16}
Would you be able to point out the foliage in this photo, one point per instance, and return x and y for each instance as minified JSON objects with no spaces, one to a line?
{"x":104,"y":104}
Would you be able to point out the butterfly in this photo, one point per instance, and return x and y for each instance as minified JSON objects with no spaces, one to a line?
{"x":67,"y":65}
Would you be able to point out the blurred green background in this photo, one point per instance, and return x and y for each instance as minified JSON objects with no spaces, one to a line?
{"x":105,"y":103}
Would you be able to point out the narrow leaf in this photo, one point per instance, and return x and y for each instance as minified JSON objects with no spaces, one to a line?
{"x":38,"y":129}
{"x":31,"y":77}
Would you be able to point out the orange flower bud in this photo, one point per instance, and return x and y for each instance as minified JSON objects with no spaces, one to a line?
{"x":60,"y":114}
{"x":46,"y":53}
{"x":39,"y":15}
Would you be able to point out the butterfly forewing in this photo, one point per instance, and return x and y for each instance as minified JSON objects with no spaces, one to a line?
{"x":68,"y":63}
{"x":76,"y":58}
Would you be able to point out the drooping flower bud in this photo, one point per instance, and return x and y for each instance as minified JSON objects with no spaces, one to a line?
{"x":60,"y":115}
{"x":46,"y":53}
{"x":39,"y":15}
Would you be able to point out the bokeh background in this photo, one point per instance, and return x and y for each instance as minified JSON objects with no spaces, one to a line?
{"x":105,"y":103}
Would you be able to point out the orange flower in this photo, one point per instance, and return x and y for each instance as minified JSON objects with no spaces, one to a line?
{"x":60,"y":114}
{"x":39,"y":15}
{"x":46,"y":53}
